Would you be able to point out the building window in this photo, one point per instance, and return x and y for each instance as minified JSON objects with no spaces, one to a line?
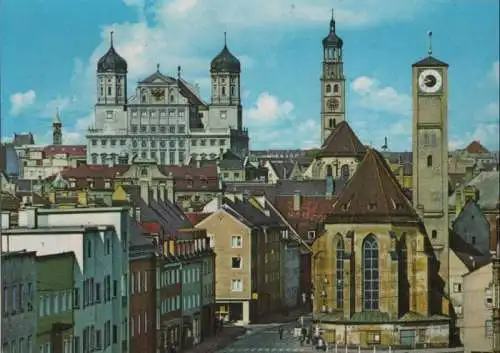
{"x":336,"y":88}
{"x":329,"y":171}
{"x":370,"y":274}
{"x":328,"y":88}
{"x":488,"y":328}
{"x":344,"y":171}
{"x":373,"y":337}
{"x":223,"y":91}
{"x":94,"y":158}
{"x":236,"y":263}
{"x":457,"y":287}
{"x":236,"y":241}
{"x":434,"y":234}
{"x":311,"y":234}
{"x":339,"y":272}
{"x":109,"y":91}
{"x":236,"y":285}
{"x":429,"y":161}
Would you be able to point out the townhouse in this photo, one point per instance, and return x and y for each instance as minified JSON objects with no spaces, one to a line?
{"x":98,"y":238}
{"x":55,"y":277}
{"x":19,"y":309}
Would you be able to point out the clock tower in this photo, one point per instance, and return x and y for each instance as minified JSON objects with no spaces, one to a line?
{"x":332,"y":83}
{"x":430,"y":153}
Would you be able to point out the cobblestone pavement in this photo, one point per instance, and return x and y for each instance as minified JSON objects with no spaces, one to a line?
{"x":266,"y":340}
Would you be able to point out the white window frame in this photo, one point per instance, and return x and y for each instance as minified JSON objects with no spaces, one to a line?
{"x":238,"y":288}
{"x":234,"y":244}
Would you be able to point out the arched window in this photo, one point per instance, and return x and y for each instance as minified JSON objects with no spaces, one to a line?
{"x":344,"y":170}
{"x":328,"y":88}
{"x":339,"y":272}
{"x":429,"y":161}
{"x":336,"y":89}
{"x":434,"y":234}
{"x":109,"y":90}
{"x":370,"y":274}
{"x":331,"y":123}
{"x":329,"y":171}
{"x":94,"y":158}
{"x":223,"y":91}
{"x":403,"y":276}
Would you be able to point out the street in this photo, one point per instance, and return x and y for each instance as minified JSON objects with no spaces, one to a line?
{"x":265,"y":338}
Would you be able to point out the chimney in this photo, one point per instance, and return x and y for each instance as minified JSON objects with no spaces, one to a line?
{"x":330,"y":186}
{"x":170,"y":188}
{"x":296,"y":201}
{"x":144,"y":191}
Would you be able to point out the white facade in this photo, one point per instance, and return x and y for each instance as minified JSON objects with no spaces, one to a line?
{"x":99,"y":240}
{"x":19,"y":311}
{"x":165,"y":120}
{"x":291,"y":275}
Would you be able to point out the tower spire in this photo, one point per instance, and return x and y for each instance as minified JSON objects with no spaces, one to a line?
{"x":429,"y":34}
{"x":225,"y":38}
{"x":332,"y":22}
{"x":111,"y":38}
{"x":57,"y":118}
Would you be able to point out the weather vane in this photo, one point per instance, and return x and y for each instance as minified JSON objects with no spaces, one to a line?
{"x":429,"y":34}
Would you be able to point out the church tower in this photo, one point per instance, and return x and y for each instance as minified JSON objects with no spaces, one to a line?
{"x":57,"y":129}
{"x":332,"y":83}
{"x":430,"y":152}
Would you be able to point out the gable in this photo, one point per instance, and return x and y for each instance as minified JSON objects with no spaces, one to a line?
{"x":143,"y":170}
{"x":220,"y":220}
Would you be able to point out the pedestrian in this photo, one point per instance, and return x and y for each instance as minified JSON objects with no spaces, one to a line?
{"x":281,"y":332}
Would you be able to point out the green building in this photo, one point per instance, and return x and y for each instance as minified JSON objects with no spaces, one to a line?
{"x":55,"y":302}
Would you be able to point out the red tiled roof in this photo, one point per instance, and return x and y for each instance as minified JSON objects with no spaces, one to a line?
{"x":196,"y":217}
{"x":94,"y":171}
{"x":70,"y":150}
{"x":475,"y":147}
{"x":192,"y":178}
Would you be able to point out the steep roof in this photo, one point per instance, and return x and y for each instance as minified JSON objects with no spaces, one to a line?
{"x":342,"y":142}
{"x":487,"y":184}
{"x":430,"y":61}
{"x":475,"y":147}
{"x":372,"y":195}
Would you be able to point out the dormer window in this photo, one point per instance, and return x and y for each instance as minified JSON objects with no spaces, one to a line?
{"x":311,"y":234}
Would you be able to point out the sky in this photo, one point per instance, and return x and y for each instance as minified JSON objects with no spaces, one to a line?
{"x":50,"y":49}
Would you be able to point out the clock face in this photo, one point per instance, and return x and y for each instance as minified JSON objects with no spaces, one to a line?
{"x":333,"y":103}
{"x":430,"y":81}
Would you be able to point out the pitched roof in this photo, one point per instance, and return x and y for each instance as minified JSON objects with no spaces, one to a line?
{"x":430,"y":61}
{"x":372,"y":195}
{"x":475,"y":147}
{"x":488,"y":186}
{"x":342,"y":142}
{"x":470,"y":256}
{"x":70,"y":150}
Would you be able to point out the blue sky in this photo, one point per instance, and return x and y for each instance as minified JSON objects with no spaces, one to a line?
{"x":50,"y":48}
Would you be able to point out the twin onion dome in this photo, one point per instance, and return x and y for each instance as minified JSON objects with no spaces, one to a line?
{"x":112,"y":61}
{"x":225,"y":61}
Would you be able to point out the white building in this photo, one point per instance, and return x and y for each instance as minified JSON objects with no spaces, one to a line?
{"x":18,"y":301}
{"x":99,"y":239}
{"x":165,"y":119}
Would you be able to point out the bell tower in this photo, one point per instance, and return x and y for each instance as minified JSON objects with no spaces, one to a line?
{"x":332,"y":83}
{"x":430,"y":152}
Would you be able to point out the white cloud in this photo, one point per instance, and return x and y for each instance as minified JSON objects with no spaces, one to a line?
{"x":383,"y":99}
{"x":21,"y":101}
{"x":268,"y":109}
{"x":306,"y":133}
{"x":495,"y":72}
{"x":165,"y":36}
{"x":486,"y":133}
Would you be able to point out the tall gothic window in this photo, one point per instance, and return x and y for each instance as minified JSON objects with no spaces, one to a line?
{"x":339,"y":272}
{"x":328,"y":88}
{"x":336,"y":88}
{"x":370,"y":274}
{"x":329,"y":171}
{"x":344,"y":170}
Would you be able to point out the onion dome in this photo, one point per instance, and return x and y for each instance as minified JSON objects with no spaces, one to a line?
{"x":332,"y":40}
{"x":225,"y":61}
{"x":111,"y":61}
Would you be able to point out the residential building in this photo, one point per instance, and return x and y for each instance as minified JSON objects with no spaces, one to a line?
{"x":166,"y":119}
{"x":19,"y":309}
{"x":478,"y":305}
{"x":208,"y":306}
{"x":98,"y":238}
{"x":168,"y":300}
{"x":362,"y":295}
{"x":55,"y":275}
{"x":247,"y":243}
{"x":231,"y":167}
{"x":142,"y":257}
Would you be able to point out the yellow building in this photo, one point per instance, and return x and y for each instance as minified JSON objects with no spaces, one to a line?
{"x":375,"y":282}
